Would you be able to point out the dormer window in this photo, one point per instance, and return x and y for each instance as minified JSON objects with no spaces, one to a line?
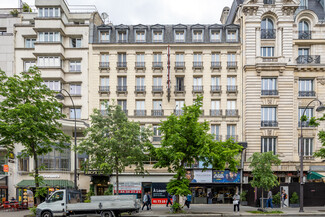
{"x":231,"y":35}
{"x":104,"y":36}
{"x":179,"y":35}
{"x":215,"y":35}
{"x":140,"y":36}
{"x":122,"y":36}
{"x":49,"y":12}
{"x":157,"y":36}
{"x":197,"y":36}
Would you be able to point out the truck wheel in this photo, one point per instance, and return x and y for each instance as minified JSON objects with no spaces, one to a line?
{"x":107,"y":214}
{"x":46,"y":214}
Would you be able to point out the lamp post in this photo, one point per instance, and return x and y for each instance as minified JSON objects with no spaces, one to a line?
{"x":61,"y":97}
{"x":318,"y":109}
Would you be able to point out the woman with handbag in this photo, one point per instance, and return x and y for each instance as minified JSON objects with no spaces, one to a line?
{"x":236,"y":199}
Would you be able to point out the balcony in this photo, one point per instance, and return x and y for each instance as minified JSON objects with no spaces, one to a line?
{"x":268,"y":33}
{"x":140,"y":65}
{"x":269,"y":124}
{"x":103,"y":112}
{"x":270,"y":59}
{"x":178,"y":112}
{"x":140,"y":89}
{"x":233,"y":137}
{"x":269,"y":92}
{"x":104,"y":65}
{"x":179,"y":89}
{"x":104,"y":89}
{"x":307,"y":93}
{"x":157,"y":112}
{"x":215,"y":89}
{"x":126,"y":112}
{"x":197,"y":89}
{"x":269,"y":2}
{"x":231,"y":112}
{"x":197,"y":65}
{"x":121,"y":88}
{"x":179,"y":65}
{"x":157,"y":65}
{"x":121,"y":65}
{"x":304,"y":124}
{"x":156,"y":138}
{"x":231,"y":88}
{"x":215,"y":65}
{"x":157,"y":89}
{"x":308,"y":59}
{"x":140,"y":113}
{"x":304,"y":35}
{"x":215,"y":112}
{"x":217,"y":137}
{"x":232,"y":65}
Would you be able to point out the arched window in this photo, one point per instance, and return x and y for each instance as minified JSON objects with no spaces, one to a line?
{"x":304,"y":32}
{"x":267,"y":29}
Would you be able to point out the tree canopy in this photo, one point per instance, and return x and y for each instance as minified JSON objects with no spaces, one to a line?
{"x":113,"y":143}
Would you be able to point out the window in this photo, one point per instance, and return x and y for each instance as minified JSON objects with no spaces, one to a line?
{"x":215,"y":81}
{"x":267,"y":29}
{"x":56,"y":160}
{"x":3,"y":161}
{"x":157,"y":82}
{"x":179,"y":36}
{"x":268,"y":144}
{"x":231,"y":36}
{"x":267,"y":51}
{"x":123,"y":104}
{"x":48,"y":62}
{"x":157,"y":57}
{"x":28,"y":64}
{"x":104,"y":81}
{"x":215,"y":57}
{"x":49,"y":37}
{"x":268,"y":117}
{"x":23,"y":164}
{"x":157,"y":104}
{"x":29,"y":42}
{"x":215,"y":35}
{"x":308,"y":146}
{"x":140,"y":84}
{"x":49,"y":12}
{"x":231,"y":131}
{"x":140,"y":60}
{"x":75,"y":66}
{"x":156,"y":130}
{"x":180,"y":58}
{"x":197,"y":58}
{"x":78,"y":113}
{"x":105,"y":36}
{"x":231,"y":57}
{"x":103,"y":106}
{"x":53,"y":85}
{"x":140,"y":36}
{"x":157,"y":36}
{"x":75,"y":42}
{"x":122,"y":57}
{"x":308,"y":113}
{"x":140,"y":105}
{"x":179,"y":106}
{"x":231,"y":81}
{"x":179,"y":84}
{"x":3,"y":30}
{"x":122,"y":36}
{"x":215,"y":130}
{"x":75,"y":89}
{"x":304,"y":32}
{"x":306,"y":88}
{"x":231,"y":105}
{"x":215,"y":108}
{"x":269,"y":86}
{"x":197,"y":36}
{"x":121,"y":81}
{"x":104,"y":58}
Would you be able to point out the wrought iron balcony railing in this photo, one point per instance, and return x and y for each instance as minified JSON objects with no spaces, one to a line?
{"x":179,"y":64}
{"x":157,"y":65}
{"x":103,"y":65}
{"x":269,"y":123}
{"x":269,"y":2}
{"x":140,"y":112}
{"x":304,"y":35}
{"x":178,"y":112}
{"x":140,"y":88}
{"x":231,"y":64}
{"x":269,"y":92}
{"x":197,"y":88}
{"x":304,"y":124}
{"x":139,"y":65}
{"x":157,"y":112}
{"x":156,"y":138}
{"x":268,"y":33}
{"x":121,"y":88}
{"x":308,"y":59}
{"x":215,"y":88}
{"x":103,"y":88}
{"x":215,"y":112}
{"x":233,"y":137}
{"x":121,"y":64}
{"x":179,"y":88}
{"x":215,"y":65}
{"x":231,"y":112}
{"x":217,"y":137}
{"x":157,"y":88}
{"x":197,"y":64}
{"x":310,"y":93}
{"x":231,"y":88}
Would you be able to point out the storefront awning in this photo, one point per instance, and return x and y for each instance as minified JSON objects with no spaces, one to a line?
{"x":313,"y":175}
{"x":46,"y":183}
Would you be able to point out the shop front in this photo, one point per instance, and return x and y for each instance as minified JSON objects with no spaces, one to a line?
{"x":3,"y":188}
{"x":99,"y":184}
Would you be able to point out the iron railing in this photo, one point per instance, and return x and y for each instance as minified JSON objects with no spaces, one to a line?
{"x":268,"y":33}
{"x":215,"y":112}
{"x":233,"y":137}
{"x":269,"y":92}
{"x":103,"y":88}
{"x":231,"y":88}
{"x":140,"y":112}
{"x":304,"y":124}
{"x":197,"y":64}
{"x":215,"y":65}
{"x":121,"y":88}
{"x":178,"y":112}
{"x":140,"y":88}
{"x":215,"y":88}
{"x":269,"y":2}
{"x":231,"y":64}
{"x":310,"y":93}
{"x":231,"y":112}
{"x":157,"y":112}
{"x":157,"y":88}
{"x":103,"y":65}
{"x":197,"y":88}
{"x":121,"y":64}
{"x":179,"y":88}
{"x":180,"y":64}
{"x":308,"y":59}
{"x":157,"y":65}
{"x":269,"y":123}
{"x":304,"y":35}
{"x":140,"y":64}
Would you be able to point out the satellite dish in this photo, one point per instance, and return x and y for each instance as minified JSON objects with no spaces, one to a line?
{"x":104,"y":16}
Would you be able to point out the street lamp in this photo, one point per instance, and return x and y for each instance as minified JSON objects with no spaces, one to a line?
{"x":318,"y":109}
{"x":61,"y":97}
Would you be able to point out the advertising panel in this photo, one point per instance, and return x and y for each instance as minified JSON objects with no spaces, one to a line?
{"x":202,"y":176}
{"x":226,"y":176}
{"x":159,"y":193}
{"x":128,"y":188}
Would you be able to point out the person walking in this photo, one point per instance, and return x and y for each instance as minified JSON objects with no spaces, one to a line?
{"x":210,"y":197}
{"x":188,"y":200}
{"x":283,"y":198}
{"x":169,"y":197}
{"x":145,"y":201}
{"x":269,"y":199}
{"x":236,"y":199}
{"x":149,"y":200}
{"x":174,"y":198}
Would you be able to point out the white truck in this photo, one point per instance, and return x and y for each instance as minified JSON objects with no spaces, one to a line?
{"x":68,"y":203}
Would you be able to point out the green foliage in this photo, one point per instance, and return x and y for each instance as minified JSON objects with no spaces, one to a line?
{"x":243,"y":196}
{"x":185,"y":140}
{"x":14,"y":12}
{"x":261,"y":164}
{"x":109,"y":191}
{"x":33,"y":210}
{"x":26,"y":7}
{"x":266,"y":212}
{"x":113,"y":142}
{"x":30,"y":117}
{"x":88,"y":195}
{"x":277,"y":198}
{"x":176,"y":207}
{"x":87,"y":201}
{"x":294,"y":198}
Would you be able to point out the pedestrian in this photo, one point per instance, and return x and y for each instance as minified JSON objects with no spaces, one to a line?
{"x":145,"y":201}
{"x":169,"y":197}
{"x":210,"y":197}
{"x":188,"y":200}
{"x":149,"y":200}
{"x":174,"y":199}
{"x":235,"y":201}
{"x":284,"y":196}
{"x":269,"y":200}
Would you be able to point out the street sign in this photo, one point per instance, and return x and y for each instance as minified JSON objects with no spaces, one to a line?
{"x":5,"y":168}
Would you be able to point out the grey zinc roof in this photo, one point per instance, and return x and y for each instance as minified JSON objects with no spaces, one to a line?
{"x":318,"y":7}
{"x":233,"y":11}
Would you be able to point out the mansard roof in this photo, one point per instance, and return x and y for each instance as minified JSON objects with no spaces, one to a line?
{"x":122,"y":26}
{"x":197,"y":26}
{"x":140,"y":26}
{"x":157,"y":26}
{"x":179,"y":26}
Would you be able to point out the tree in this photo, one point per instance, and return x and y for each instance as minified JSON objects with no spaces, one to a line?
{"x":26,"y":7}
{"x":186,"y":140}
{"x":263,"y":176}
{"x":321,"y":134}
{"x":29,"y":116}
{"x":113,"y":143}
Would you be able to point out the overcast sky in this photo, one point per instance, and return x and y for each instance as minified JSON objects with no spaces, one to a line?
{"x":151,"y":11}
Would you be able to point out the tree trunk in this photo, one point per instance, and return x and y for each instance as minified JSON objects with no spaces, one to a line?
{"x":117,"y":183}
{"x":36,"y":177}
{"x":262,"y":198}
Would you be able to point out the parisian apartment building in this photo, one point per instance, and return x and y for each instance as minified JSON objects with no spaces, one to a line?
{"x":257,"y":69}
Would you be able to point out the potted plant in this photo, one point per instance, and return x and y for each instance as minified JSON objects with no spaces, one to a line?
{"x":243,"y":200}
{"x":14,"y":12}
{"x":276,"y":200}
{"x":294,"y":200}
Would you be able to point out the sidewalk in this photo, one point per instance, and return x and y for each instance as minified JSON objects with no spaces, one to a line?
{"x":226,"y":210}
